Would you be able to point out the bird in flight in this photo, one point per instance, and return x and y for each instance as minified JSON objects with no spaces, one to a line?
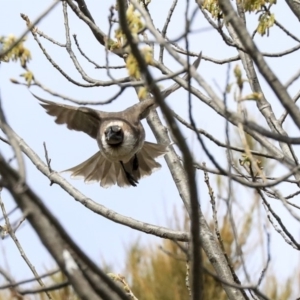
{"x":124,"y":157}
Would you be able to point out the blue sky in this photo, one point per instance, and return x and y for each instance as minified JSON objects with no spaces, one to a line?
{"x":156,"y":197}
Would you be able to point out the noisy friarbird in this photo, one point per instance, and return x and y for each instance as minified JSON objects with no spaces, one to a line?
{"x":124,"y":156}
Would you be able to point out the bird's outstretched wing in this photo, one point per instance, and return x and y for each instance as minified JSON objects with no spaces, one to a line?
{"x":139,"y":110}
{"x":76,"y":118}
{"x":142,"y":109}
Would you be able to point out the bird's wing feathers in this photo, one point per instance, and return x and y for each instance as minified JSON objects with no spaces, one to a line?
{"x":145,"y":107}
{"x":146,"y":158}
{"x":153,"y":150}
{"x":140,"y":110}
{"x":98,"y":169}
{"x":76,"y":118}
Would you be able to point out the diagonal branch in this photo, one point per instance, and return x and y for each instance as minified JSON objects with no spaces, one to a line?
{"x":295,"y":7}
{"x":96,"y":207}
{"x":3,"y":53}
{"x":241,"y":31}
{"x":19,"y":246}
{"x":87,"y":279}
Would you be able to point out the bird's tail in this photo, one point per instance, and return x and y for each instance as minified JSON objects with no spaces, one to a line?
{"x":98,"y":168}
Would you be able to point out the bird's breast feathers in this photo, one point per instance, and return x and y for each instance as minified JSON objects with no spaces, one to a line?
{"x":133,"y":141}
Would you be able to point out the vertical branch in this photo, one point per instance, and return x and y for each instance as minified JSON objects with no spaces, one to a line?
{"x":193,"y":204}
{"x":165,"y":28}
{"x":183,"y":182}
{"x":197,"y":266}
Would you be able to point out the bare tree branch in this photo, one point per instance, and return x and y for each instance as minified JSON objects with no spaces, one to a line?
{"x":88,"y":280}
{"x":38,"y":19}
{"x":16,"y":241}
{"x":96,"y":207}
{"x":245,"y":39}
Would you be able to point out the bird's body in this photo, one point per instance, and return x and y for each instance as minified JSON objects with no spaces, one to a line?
{"x":124,"y":156}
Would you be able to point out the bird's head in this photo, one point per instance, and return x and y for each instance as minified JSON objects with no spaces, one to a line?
{"x":114,"y":135}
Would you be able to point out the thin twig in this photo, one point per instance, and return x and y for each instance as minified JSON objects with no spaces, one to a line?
{"x":47,"y":289}
{"x":48,"y":161}
{"x":31,"y":27}
{"x":2,"y":287}
{"x":263,"y":272}
{"x":20,"y":248}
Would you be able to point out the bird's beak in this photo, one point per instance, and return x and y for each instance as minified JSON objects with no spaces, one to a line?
{"x":113,"y":137}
